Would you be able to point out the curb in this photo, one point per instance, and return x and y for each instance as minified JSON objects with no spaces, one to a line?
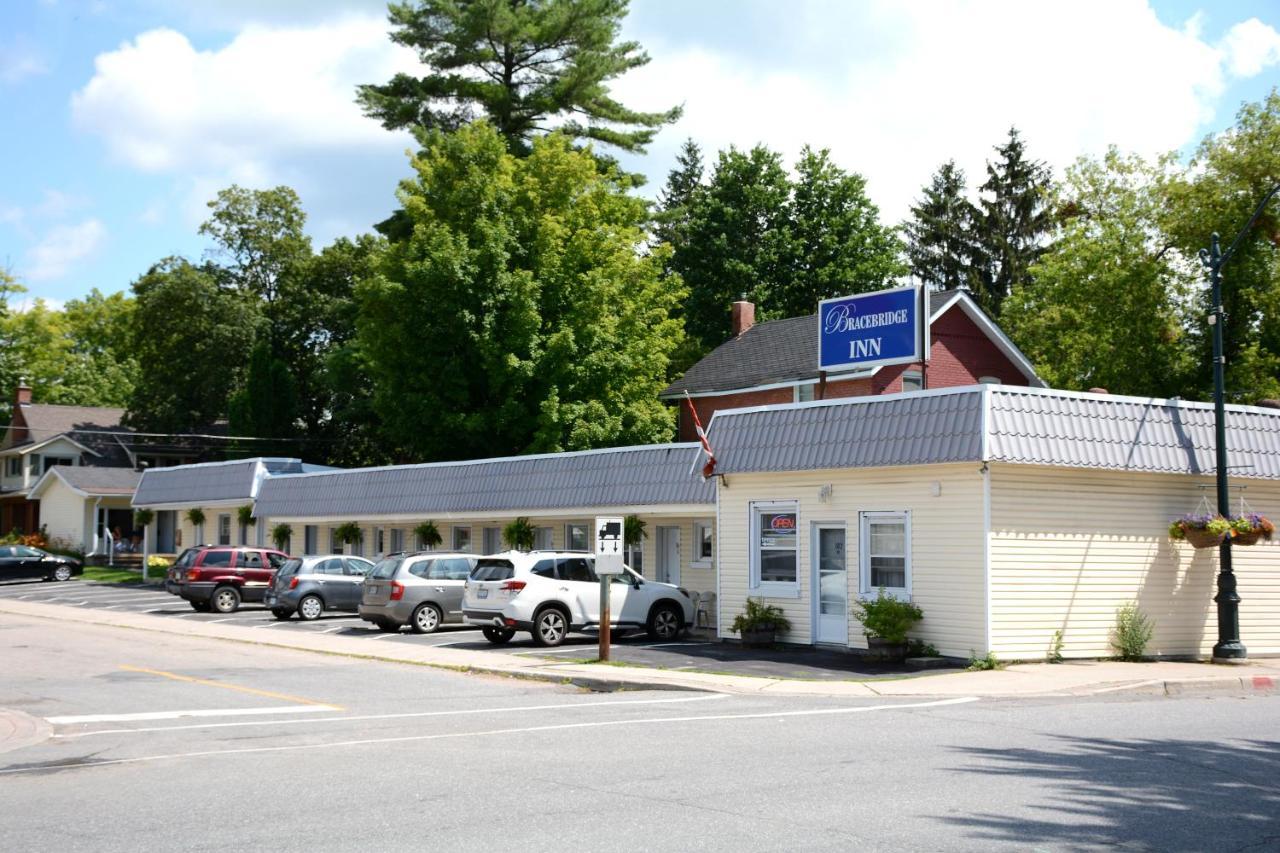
{"x":1260,"y":685}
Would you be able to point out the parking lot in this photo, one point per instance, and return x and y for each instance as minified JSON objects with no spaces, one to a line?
{"x":691,"y":652}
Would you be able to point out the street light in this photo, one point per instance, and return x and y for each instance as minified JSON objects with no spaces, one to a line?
{"x":1228,"y":648}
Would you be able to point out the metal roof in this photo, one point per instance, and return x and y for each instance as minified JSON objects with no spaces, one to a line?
{"x":998,"y":424}
{"x":631,"y":476}
{"x":209,"y":482}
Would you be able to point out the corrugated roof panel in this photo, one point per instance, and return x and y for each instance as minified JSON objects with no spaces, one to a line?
{"x":207,"y":483}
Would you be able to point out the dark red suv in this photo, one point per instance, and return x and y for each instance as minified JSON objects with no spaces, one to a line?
{"x":219,"y":577}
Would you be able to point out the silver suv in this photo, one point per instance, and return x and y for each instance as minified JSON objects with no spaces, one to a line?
{"x":422,"y":590}
{"x":551,"y":593}
{"x":309,"y":586}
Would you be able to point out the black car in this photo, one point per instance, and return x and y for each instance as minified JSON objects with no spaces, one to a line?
{"x":21,"y":562}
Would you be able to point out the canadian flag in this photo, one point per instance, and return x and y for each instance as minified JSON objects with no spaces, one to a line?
{"x":710,"y":468}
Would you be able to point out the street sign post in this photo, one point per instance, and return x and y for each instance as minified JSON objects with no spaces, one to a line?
{"x":609,"y":543}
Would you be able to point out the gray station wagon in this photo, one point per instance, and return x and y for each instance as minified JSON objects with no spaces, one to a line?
{"x":309,"y":586}
{"x":422,"y":590}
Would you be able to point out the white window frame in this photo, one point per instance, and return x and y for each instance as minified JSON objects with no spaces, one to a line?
{"x":771,"y":589}
{"x":544,"y":538}
{"x":917,"y":375}
{"x":701,"y":526}
{"x":494,"y":534}
{"x":454,"y":538}
{"x":335,"y":547}
{"x":379,"y":541}
{"x":224,"y":518}
{"x":865,"y":590}
{"x":568,"y":538}
{"x":629,"y":554}
{"x":397,"y":540}
{"x":799,"y":396}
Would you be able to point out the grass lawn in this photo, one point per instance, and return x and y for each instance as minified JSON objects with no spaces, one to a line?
{"x":109,"y":574}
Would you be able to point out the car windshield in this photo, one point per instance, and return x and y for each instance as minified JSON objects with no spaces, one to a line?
{"x":493,"y":570}
{"x":290,"y":567}
{"x":187,"y":558}
{"x":386,"y":568}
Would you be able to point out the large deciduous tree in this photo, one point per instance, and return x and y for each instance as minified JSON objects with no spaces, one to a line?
{"x":528,"y":66}
{"x":1106,"y":304}
{"x":520,"y":313}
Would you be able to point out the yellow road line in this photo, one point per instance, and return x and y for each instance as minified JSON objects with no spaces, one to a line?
{"x":210,"y":683}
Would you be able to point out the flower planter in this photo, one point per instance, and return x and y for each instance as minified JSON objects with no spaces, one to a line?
{"x":1250,"y":538}
{"x":1203,"y":538}
{"x":758,"y":638}
{"x":878,"y":648}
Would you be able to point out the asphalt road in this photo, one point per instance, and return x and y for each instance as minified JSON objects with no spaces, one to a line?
{"x":173,"y":743}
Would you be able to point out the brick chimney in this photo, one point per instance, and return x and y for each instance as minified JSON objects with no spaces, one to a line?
{"x":22,"y":394}
{"x":744,"y":315}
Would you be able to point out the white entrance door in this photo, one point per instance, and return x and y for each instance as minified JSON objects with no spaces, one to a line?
{"x":668,"y":555}
{"x":830,"y":569}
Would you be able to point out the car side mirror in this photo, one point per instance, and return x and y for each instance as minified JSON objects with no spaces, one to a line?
{"x":636,"y":583}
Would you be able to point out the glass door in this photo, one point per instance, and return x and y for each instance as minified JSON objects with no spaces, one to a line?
{"x":832,"y":585}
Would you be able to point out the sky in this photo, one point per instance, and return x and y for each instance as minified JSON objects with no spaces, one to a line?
{"x":121,"y":119}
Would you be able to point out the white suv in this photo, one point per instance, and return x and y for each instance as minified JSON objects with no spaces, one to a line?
{"x":550,"y":593}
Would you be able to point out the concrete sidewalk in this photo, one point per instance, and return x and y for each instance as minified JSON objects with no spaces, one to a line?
{"x":1020,"y":680}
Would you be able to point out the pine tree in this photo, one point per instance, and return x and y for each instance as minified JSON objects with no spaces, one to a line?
{"x":1014,"y":222}
{"x":675,"y":198}
{"x":940,"y":235}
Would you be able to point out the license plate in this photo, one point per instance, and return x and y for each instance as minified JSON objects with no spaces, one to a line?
{"x":482,"y":593}
{"x":373,"y":590}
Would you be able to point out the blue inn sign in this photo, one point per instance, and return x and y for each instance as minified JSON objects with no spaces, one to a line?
{"x":871,"y":329}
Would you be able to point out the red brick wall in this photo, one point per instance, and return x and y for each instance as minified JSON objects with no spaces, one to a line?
{"x":959,"y":354}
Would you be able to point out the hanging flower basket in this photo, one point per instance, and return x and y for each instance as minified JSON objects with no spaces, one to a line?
{"x":1200,"y":531}
{"x":1250,"y":529}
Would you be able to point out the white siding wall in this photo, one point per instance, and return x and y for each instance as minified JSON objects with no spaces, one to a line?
{"x":946,"y":532}
{"x":1069,"y":547}
{"x":62,"y":513}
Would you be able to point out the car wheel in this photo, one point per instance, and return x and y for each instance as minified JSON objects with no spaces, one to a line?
{"x":225,"y":600}
{"x":550,"y":627}
{"x":425,"y":620}
{"x":665,"y":623}
{"x":281,"y":614}
{"x":199,"y":606}
{"x":498,"y":636}
{"x":388,"y":627}
{"x":62,"y":573}
{"x":310,"y":608}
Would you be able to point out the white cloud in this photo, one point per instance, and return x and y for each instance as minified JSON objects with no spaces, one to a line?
{"x":1251,"y":47}
{"x":895,"y":89}
{"x":20,"y":60}
{"x":63,"y":247}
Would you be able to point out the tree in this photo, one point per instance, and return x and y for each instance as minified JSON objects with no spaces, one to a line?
{"x":677,"y":195}
{"x":1227,"y":178}
{"x":526,"y":65}
{"x":520,"y":315}
{"x":1104,"y":306}
{"x":191,"y":339}
{"x":10,"y":367}
{"x":940,"y":233}
{"x":1014,"y":222}
{"x":259,"y":238}
{"x":266,"y":405}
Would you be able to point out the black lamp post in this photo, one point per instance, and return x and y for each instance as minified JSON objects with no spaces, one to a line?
{"x":1228,"y":647}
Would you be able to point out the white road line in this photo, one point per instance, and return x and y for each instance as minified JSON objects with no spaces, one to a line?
{"x":144,"y":716}
{"x":488,"y":733}
{"x":556,"y":651}
{"x":1133,"y":686}
{"x":272,"y":624}
{"x":611,"y":703}
{"x":665,"y":645}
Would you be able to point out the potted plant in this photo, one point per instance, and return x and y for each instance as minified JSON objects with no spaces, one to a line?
{"x":244,"y":515}
{"x":143,"y":517}
{"x":1251,"y":527}
{"x":348,"y":533}
{"x":519,"y":534}
{"x":759,"y":624}
{"x":1200,"y":530}
{"x":886,"y":621}
{"x":281,"y":534}
{"x":195,"y":515}
{"x":428,"y":535}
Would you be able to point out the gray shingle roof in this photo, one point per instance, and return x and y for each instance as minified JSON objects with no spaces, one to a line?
{"x":209,"y":482}
{"x":635,"y":476}
{"x":776,"y":351}
{"x":44,"y":420}
{"x":100,"y":481}
{"x":1025,"y":426}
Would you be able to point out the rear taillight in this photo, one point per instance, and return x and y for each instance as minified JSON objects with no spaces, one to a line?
{"x":513,"y":586}
{"x":397,"y":590}
{"x":293,"y":582}
{"x":193,"y":574}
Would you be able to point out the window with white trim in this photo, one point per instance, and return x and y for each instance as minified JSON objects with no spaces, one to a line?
{"x":492,"y":540}
{"x":703,"y":542}
{"x":397,"y":540}
{"x":462,"y":538}
{"x":379,"y":541}
{"x":335,"y":547}
{"x":912,"y":380}
{"x":774,"y":552}
{"x":885,"y":558}
{"x":576,"y":537}
{"x":804,"y":393}
{"x":633,"y":556}
{"x":13,"y":466}
{"x":543,"y":539}
{"x":224,"y":529}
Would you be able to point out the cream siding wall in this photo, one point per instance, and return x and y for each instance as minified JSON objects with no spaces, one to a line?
{"x":1068,"y":547}
{"x":210,"y":533}
{"x":947,"y":566}
{"x":63,"y":514}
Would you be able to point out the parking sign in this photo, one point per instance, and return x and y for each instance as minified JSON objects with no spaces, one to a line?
{"x":609,"y":545}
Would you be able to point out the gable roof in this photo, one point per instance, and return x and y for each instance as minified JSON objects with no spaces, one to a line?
{"x":89,"y":481}
{"x":45,"y":420}
{"x":650,"y":475}
{"x":996,"y":423}
{"x":786,"y":351}
{"x":209,"y":483}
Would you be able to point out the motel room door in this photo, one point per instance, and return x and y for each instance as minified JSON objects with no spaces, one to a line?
{"x":830,"y":580}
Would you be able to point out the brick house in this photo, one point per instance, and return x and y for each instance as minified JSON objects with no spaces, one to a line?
{"x":777,"y":362}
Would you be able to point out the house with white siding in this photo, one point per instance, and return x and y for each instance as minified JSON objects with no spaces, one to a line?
{"x":77,"y":501}
{"x":1006,"y":513}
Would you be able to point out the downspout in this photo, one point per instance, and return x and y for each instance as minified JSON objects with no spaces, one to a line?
{"x":986,"y":514}
{"x":96,"y":525}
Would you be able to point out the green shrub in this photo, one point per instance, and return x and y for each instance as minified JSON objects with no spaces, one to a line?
{"x":143,"y":517}
{"x":921,"y":649}
{"x":633,"y":530}
{"x":348,"y":533}
{"x":195,"y":515}
{"x":519,"y":534}
{"x":155,"y":562}
{"x":1055,"y":651}
{"x":281,"y":534}
{"x":887,"y":617}
{"x":244,"y":514}
{"x":428,"y":534}
{"x":1132,"y":632}
{"x":760,"y":616}
{"x":986,"y":662}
